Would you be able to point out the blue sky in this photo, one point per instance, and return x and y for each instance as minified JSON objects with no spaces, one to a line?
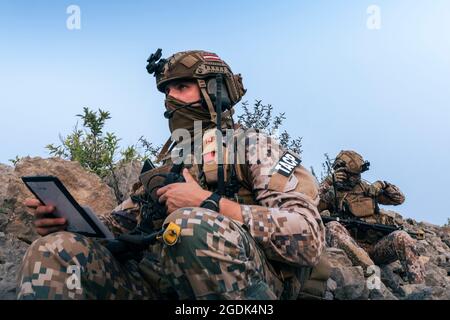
{"x":382,"y":92}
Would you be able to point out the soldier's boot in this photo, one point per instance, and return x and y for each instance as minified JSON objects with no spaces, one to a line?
{"x":65,"y":265}
{"x":215,"y":258}
{"x":399,"y":245}
{"x":337,"y":236}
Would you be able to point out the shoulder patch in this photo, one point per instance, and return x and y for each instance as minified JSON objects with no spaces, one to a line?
{"x":287,"y":164}
{"x":282,"y":177}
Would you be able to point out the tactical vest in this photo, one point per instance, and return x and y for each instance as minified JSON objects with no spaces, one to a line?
{"x":357,"y":202}
{"x":362,"y":205}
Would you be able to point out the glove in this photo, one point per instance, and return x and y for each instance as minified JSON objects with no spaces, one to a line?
{"x":340,"y":175}
{"x":393,"y":192}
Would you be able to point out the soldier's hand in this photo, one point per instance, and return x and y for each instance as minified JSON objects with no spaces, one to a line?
{"x":380,"y":184}
{"x":45,"y":222}
{"x":340,"y":175}
{"x":183,"y":194}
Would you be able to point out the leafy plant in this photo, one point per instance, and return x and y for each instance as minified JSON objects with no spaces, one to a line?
{"x":260,"y":116}
{"x":15,"y":160}
{"x":91,"y":147}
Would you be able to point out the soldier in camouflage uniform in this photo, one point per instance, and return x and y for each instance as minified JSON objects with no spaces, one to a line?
{"x":255,"y":242}
{"x":357,"y":199}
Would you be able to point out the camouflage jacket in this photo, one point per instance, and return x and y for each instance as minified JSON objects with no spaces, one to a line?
{"x":282,"y":213}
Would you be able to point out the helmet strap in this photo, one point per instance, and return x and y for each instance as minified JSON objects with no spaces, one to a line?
{"x":212,"y":111}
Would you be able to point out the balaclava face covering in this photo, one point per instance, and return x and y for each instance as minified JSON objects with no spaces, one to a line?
{"x":186,"y":114}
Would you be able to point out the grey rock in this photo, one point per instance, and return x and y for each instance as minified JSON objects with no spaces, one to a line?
{"x":337,"y":258}
{"x":391,"y":276}
{"x":123,"y":179}
{"x":424,"y":292}
{"x":383,"y":293}
{"x":11,"y":254}
{"x":3,"y":221}
{"x":409,"y":291}
{"x":6,"y":175}
{"x":436,"y":276}
{"x":328,"y":296}
{"x":21,"y":226}
{"x":331,"y":285}
{"x":351,"y":284}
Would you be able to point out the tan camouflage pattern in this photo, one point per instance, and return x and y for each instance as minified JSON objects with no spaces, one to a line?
{"x":45,"y":271}
{"x":215,"y":257}
{"x":397,"y":245}
{"x":371,"y":247}
{"x":286,"y":224}
{"x":337,"y":236}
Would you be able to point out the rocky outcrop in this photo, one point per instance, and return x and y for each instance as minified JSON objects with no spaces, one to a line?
{"x":87,"y":188}
{"x":348,"y":282}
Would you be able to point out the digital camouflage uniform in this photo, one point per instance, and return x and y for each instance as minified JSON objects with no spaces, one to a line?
{"x":359,"y":199}
{"x":214,"y":258}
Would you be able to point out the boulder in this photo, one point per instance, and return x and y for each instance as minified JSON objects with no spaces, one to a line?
{"x":125,"y":175}
{"x":436,"y":276}
{"x":87,"y":188}
{"x":382,"y":293}
{"x":337,"y":258}
{"x":350,"y":283}
{"x":391,"y":276}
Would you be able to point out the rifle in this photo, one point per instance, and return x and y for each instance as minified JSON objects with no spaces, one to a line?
{"x":132,"y":245}
{"x":362,"y":225}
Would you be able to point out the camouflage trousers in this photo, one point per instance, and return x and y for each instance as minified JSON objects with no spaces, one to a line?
{"x":214,"y":258}
{"x":397,"y":245}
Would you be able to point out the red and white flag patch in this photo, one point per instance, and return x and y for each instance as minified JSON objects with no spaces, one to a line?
{"x":208,"y":56}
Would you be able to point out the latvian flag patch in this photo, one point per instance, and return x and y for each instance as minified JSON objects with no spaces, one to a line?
{"x":208,"y":56}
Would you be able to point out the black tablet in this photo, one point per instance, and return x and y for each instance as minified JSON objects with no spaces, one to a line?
{"x":50,"y":191}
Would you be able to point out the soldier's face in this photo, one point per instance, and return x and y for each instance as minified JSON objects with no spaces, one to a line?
{"x":185,"y":91}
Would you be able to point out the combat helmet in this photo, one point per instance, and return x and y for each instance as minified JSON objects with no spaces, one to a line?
{"x":352,"y":161}
{"x":202,"y":66}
